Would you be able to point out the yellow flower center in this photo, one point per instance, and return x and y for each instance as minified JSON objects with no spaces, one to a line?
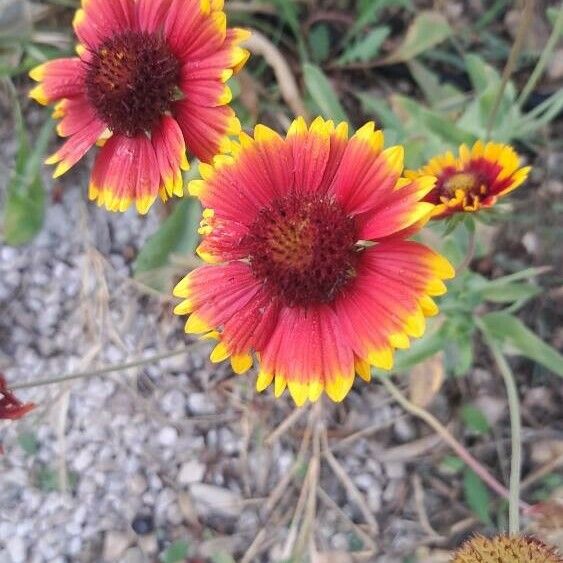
{"x":508,"y":549}
{"x":465,"y":181}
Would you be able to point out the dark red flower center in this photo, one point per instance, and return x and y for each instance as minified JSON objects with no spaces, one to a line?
{"x":132,"y":80}
{"x":304,"y":248}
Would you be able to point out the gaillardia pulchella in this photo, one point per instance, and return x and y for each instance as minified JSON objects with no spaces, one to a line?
{"x":505,"y":549}
{"x":309,"y":266}
{"x":474,"y":180}
{"x":147,"y":84}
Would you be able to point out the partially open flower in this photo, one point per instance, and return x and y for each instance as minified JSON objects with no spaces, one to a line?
{"x":474,"y":180}
{"x":11,"y":408}
{"x":505,"y":549}
{"x":148,"y":83}
{"x":311,"y":270}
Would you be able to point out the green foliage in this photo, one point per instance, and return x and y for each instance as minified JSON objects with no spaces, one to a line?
{"x":474,"y":419}
{"x":512,"y":333}
{"x":426,"y":31}
{"x":177,"y":552}
{"x":323,"y":94}
{"x":25,"y":201}
{"x":477,"y":496}
{"x":176,"y":236}
{"x":365,"y":48}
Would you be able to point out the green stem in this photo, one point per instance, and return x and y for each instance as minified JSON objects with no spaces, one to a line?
{"x":458,"y":448}
{"x":515,"y":435}
{"x":544,"y":58}
{"x":524,"y":25}
{"x":469,"y":255}
{"x":106,"y":369}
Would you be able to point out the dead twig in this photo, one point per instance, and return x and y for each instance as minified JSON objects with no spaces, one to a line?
{"x":259,"y":44}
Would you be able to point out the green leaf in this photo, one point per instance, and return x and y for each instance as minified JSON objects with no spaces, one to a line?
{"x":511,"y":332}
{"x":422,"y":119}
{"x":176,"y":552}
{"x":365,"y":48}
{"x":436,"y":94}
{"x":474,"y":419}
{"x":373,"y":104}
{"x":177,"y":235}
{"x":419,"y":351}
{"x":368,"y":13}
{"x":319,"y":43}
{"x":322,"y":92}
{"x":426,"y":31}
{"x":25,"y":201}
{"x":477,"y":496}
{"x":508,"y":293}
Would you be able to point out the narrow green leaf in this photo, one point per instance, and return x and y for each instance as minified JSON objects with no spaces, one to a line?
{"x":25,"y":201}
{"x":176,"y":235}
{"x":510,"y":331}
{"x":477,"y":496}
{"x":509,"y":293}
{"x":419,"y":351}
{"x":319,"y":42}
{"x":372,"y":104}
{"x":436,"y":93}
{"x":368,"y":13}
{"x":322,"y":92}
{"x":365,"y":48}
{"x":426,"y":31}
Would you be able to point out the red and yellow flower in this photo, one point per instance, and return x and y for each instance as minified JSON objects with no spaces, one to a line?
{"x":11,"y":408}
{"x":148,"y":84}
{"x":309,"y":267}
{"x":474,"y":180}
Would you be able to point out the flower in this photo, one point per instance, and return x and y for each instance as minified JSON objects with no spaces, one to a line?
{"x":474,"y":180}
{"x":508,"y":549}
{"x":308,"y":263}
{"x":11,"y":408}
{"x":148,"y":83}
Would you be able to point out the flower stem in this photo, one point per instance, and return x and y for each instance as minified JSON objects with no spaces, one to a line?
{"x":515,"y":435}
{"x":544,"y":58}
{"x":523,"y":26}
{"x":106,"y":369}
{"x":469,"y":255}
{"x":458,"y":448}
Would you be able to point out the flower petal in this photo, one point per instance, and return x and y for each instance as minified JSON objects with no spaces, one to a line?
{"x":398,"y":211}
{"x":308,"y":352}
{"x":98,"y":20}
{"x":205,"y":129}
{"x":151,"y":14}
{"x":80,"y":123}
{"x":170,"y":150}
{"x":367,"y":174}
{"x":59,"y":78}
{"x":193,"y":29}
{"x":386,"y":303}
{"x":229,"y":298}
{"x":126,"y":170}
